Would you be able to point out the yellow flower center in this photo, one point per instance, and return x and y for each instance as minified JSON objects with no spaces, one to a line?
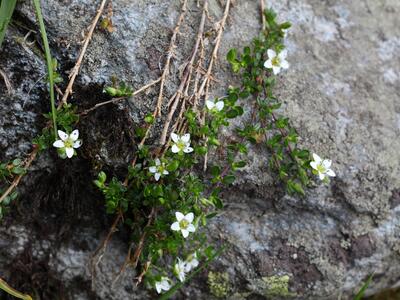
{"x":183,"y":224}
{"x":321,"y":169}
{"x":68,"y":143}
{"x":276,"y":61}
{"x":181,"y":145}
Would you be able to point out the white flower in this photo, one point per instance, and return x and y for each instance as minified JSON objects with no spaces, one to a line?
{"x":163,"y":285}
{"x":179,"y":270}
{"x":184,"y":223}
{"x":68,"y":142}
{"x":181,"y":143}
{"x":285,"y":32}
{"x":158,"y":169}
{"x":191,"y":262}
{"x":322,"y":167}
{"x":215,"y":106}
{"x":276,"y":62}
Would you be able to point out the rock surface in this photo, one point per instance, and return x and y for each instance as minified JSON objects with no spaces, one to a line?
{"x":341,"y":93}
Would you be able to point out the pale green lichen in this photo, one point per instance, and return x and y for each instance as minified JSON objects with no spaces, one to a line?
{"x":272,"y":286}
{"x":218,"y":284}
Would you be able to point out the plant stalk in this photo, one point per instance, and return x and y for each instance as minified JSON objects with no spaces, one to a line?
{"x":49,"y":62}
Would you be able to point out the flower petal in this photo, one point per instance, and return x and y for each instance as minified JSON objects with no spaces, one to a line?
{"x":69,"y":152}
{"x":317,"y":159}
{"x":268,"y":64}
{"x":58,"y":144}
{"x":175,"y":148}
{"x":153,"y":169}
{"x":285,"y":64}
{"x":157,"y":176}
{"x":165,"y":285}
{"x":271,"y":53}
{"x":327,"y":163}
{"x":175,"y":137}
{"x":330,"y":173}
{"x":276,"y":70}
{"x":189,"y":217}
{"x":186,"y":138}
{"x":219,"y":105}
{"x":74,"y":135}
{"x":321,"y":176}
{"x":63,"y":136}
{"x":282,"y":55}
{"x":158,"y":287}
{"x":185,"y":233}
{"x":157,"y":161}
{"x":179,"y":216}
{"x":188,"y":150}
{"x":210,"y":104}
{"x":175,"y":226}
{"x":77,"y":144}
{"x":191,"y":228}
{"x":165,"y":172}
{"x":313,"y":165}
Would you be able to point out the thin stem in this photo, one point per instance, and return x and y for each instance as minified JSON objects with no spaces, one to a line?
{"x":49,"y":62}
{"x":5,"y":287}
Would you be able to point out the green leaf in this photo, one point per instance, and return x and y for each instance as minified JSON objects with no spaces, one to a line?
{"x":231,"y":56}
{"x":173,"y":166}
{"x":149,"y":119}
{"x":228,"y":179}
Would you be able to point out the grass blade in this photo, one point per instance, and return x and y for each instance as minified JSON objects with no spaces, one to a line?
{"x":49,"y":62}
{"x":361,"y":292}
{"x":6,"y":11}
{"x":5,"y":287}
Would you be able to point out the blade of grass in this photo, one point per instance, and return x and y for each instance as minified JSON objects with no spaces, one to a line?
{"x":49,"y":62}
{"x":5,"y":287}
{"x":177,"y":286}
{"x":361,"y":292}
{"x":6,"y":11}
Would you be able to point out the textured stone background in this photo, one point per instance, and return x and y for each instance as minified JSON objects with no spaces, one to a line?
{"x":341,"y":93}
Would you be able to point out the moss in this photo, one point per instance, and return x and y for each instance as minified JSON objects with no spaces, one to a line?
{"x":218,"y":284}
{"x":272,"y":286}
{"x":277,"y":285}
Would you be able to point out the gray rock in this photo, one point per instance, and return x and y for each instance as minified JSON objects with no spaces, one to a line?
{"x":341,"y":93}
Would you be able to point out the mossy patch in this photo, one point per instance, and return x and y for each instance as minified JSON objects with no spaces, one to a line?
{"x":272,"y":286}
{"x":219,"y":284}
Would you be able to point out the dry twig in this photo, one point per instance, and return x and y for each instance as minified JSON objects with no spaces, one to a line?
{"x":6,"y":82}
{"x":77,"y":66}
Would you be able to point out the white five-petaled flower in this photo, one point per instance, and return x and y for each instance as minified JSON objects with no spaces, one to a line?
{"x":68,"y":142}
{"x":215,"y":106}
{"x":322,"y":167}
{"x":191,"y":262}
{"x":276,"y":62}
{"x":184,"y":223}
{"x":163,"y":285}
{"x":181,"y":143}
{"x":158,"y":169}
{"x":179,"y":270}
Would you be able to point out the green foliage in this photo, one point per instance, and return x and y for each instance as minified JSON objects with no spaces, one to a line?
{"x":267,"y":127}
{"x":8,"y":171}
{"x":118,"y":90}
{"x":159,"y":185}
{"x":6,"y":10}
{"x":67,"y":118}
